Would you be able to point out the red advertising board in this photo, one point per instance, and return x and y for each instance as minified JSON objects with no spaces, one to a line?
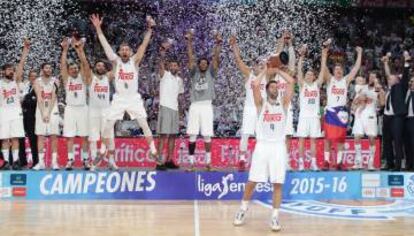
{"x":134,"y":152}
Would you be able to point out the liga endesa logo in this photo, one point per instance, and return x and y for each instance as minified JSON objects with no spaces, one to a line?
{"x":382,"y":210}
{"x":219,"y":189}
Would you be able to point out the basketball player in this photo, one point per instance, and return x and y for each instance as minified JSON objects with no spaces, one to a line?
{"x":99,"y":93}
{"x":171,"y":86}
{"x":269,"y":156}
{"x":367,"y":98}
{"x":249,"y":110}
{"x":309,"y":125}
{"x":75,"y":122}
{"x":202,"y":95}
{"x":47,"y":115}
{"x":126,"y":97}
{"x":287,"y":40}
{"x":336,"y":114}
{"x":11,"y":116}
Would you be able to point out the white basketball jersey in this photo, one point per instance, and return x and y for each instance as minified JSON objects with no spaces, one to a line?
{"x":10,"y":94}
{"x":46,"y":91}
{"x":337,"y":92}
{"x":270,"y":125}
{"x":372,"y":102}
{"x":309,"y":100}
{"x":99,"y":92}
{"x":126,"y":77}
{"x":75,"y":91}
{"x":281,"y":86}
{"x":249,"y":100}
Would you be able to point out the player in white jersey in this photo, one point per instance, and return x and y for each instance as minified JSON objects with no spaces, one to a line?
{"x":11,"y":116}
{"x":99,"y":93}
{"x":309,"y":125}
{"x":336,"y":115}
{"x":75,"y":121}
{"x":47,"y":115}
{"x":365,"y":104}
{"x":249,"y":109}
{"x":287,"y":41}
{"x":171,"y":86}
{"x":126,"y":97}
{"x":269,"y":157}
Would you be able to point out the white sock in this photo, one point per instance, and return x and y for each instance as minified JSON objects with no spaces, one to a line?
{"x":208,"y":157}
{"x":358,"y":152}
{"x":244,"y":205}
{"x":326,"y":156}
{"x":94,"y":150}
{"x":15,"y":155}
{"x":54,"y":157}
{"x":371,"y":152}
{"x":103,"y":148}
{"x":111,"y":159}
{"x":41,"y":157}
{"x":340,"y":157}
{"x":275,"y":212}
{"x":242,"y":156}
{"x":191,"y":159}
{"x":85,"y":155}
{"x":152,"y":147}
{"x":70,"y":156}
{"x":5,"y":154}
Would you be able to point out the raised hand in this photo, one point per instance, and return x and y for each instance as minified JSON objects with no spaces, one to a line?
{"x":77,"y":44}
{"x":189,"y":35}
{"x":217,"y":37}
{"x":287,"y":37}
{"x":232,"y":40}
{"x":65,"y":43}
{"x":386,"y":58}
{"x":327,"y":43}
{"x":303,"y":50}
{"x":96,"y":20}
{"x":407,"y":56}
{"x":150,"y":22}
{"x":26,"y":43}
{"x":359,"y":50}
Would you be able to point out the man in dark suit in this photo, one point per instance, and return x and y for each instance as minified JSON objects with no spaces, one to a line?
{"x":394,"y":114}
{"x":29,"y":111}
{"x":409,"y":127}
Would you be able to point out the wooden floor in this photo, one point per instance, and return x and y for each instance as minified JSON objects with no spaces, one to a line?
{"x":173,"y":218}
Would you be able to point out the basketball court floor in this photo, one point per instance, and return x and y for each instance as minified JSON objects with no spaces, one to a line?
{"x":43,"y":218}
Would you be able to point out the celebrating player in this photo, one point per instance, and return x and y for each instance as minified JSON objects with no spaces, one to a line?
{"x":75,"y":122}
{"x":202,"y":95}
{"x":309,"y":125}
{"x":249,"y":110}
{"x":11,"y":117}
{"x":336,"y":114}
{"x":126,"y":97}
{"x":269,"y":157}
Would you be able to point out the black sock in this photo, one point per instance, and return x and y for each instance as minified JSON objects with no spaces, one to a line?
{"x":191,"y":148}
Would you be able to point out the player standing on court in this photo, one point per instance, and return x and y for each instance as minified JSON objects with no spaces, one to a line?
{"x":269,"y":156}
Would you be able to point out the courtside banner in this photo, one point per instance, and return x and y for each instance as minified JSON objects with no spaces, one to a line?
{"x":134,"y":152}
{"x":152,"y":185}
